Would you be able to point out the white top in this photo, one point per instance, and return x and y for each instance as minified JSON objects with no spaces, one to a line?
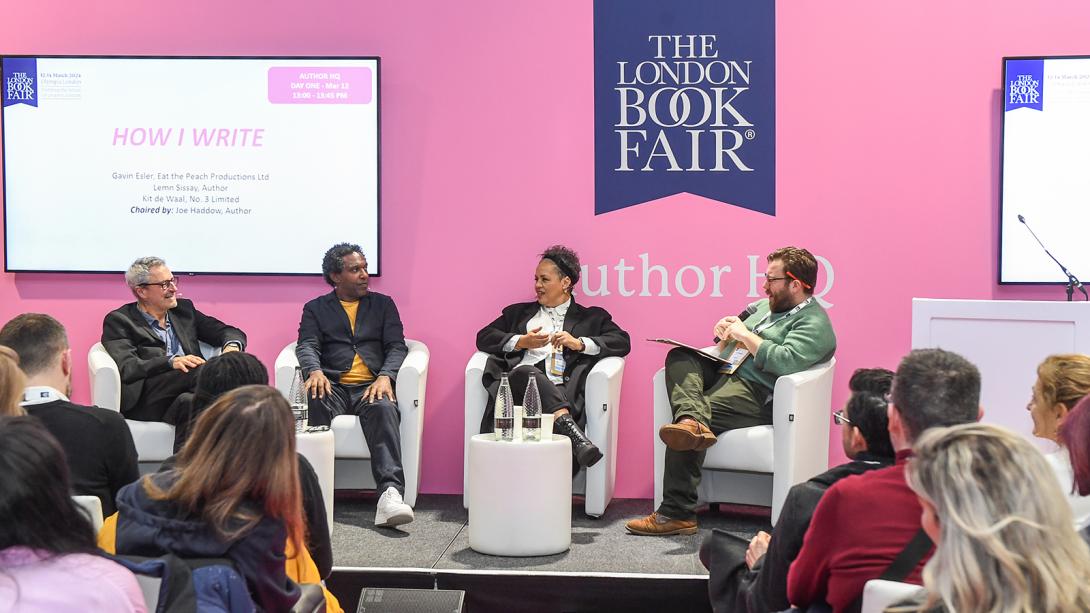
{"x":551,"y":321}
{"x":1060,"y":462}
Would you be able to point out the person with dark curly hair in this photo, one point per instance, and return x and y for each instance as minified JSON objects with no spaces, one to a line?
{"x":556,"y":341}
{"x":351,"y":345}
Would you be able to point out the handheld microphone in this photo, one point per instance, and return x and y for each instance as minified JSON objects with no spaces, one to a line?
{"x":751,"y":309}
{"x":1072,"y":281}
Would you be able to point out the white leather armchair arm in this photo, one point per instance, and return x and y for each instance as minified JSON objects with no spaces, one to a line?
{"x":105,"y":378}
{"x":476,"y":397}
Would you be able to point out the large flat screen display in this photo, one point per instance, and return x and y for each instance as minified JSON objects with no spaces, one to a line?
{"x":218,"y":165}
{"x":1045,"y":169}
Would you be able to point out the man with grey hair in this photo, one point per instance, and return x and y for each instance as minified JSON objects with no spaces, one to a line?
{"x":156,"y":343}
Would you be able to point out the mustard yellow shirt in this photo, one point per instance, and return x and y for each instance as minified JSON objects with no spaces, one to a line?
{"x":359,"y":373}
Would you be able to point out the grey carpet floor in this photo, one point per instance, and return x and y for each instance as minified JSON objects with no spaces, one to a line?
{"x":438,"y":538}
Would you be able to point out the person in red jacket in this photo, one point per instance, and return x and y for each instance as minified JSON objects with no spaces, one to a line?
{"x":864,"y":522}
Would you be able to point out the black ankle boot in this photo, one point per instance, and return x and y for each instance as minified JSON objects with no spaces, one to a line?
{"x":586,"y":453}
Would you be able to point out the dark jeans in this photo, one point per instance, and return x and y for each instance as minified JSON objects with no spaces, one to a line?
{"x":552,"y":395}
{"x":380,"y":421}
{"x":721,"y":402}
{"x":159,"y":398}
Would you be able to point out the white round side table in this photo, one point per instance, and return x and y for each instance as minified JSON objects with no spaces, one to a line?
{"x":520,"y":496}
{"x":317,"y":448}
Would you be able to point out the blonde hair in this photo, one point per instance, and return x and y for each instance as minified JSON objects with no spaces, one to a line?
{"x":1007,"y":543}
{"x":242,"y":451}
{"x":1064,"y":378}
{"x":12,"y":383}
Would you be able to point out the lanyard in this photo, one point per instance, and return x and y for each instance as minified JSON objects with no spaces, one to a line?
{"x":764,"y":324}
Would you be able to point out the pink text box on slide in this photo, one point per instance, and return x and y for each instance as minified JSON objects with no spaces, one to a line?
{"x":318,"y":85}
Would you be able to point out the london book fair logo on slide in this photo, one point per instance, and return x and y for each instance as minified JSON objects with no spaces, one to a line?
{"x":685,"y":101}
{"x":20,"y":81}
{"x":1025,"y":85}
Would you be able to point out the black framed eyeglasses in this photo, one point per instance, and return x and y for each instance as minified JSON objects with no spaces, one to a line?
{"x":164,"y":285}
{"x":840,"y":418}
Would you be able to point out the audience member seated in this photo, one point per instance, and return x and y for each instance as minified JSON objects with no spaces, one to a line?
{"x":1062,"y":381}
{"x":787,"y":333}
{"x":864,"y":523}
{"x":156,"y":342}
{"x":1074,"y":435}
{"x":556,"y":341}
{"x":12,"y":383}
{"x":1003,"y":534}
{"x":351,"y":345}
{"x":97,"y":442}
{"x":229,"y":371}
{"x":233,"y":493}
{"x":754,"y":578}
{"x":48,"y":558}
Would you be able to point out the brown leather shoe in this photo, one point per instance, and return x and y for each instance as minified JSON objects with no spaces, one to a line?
{"x":687,"y":436}
{"x":660,"y":525}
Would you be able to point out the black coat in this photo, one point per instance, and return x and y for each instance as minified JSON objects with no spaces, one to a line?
{"x":732,"y":586}
{"x":326,"y":339}
{"x":140,"y":353}
{"x":594,"y":323}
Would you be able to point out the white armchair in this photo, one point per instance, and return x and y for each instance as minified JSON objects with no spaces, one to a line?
{"x":154,"y":440}
{"x":758,"y":465}
{"x":352,"y":468}
{"x":603,"y":403}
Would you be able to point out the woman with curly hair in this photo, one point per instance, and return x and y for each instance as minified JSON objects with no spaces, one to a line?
{"x":556,"y":341}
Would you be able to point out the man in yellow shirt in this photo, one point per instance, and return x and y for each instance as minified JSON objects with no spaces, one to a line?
{"x":351,"y":345}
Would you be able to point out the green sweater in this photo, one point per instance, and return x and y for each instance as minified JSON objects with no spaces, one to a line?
{"x":801,"y":341}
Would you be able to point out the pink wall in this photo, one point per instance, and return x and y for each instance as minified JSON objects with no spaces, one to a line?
{"x":887,"y":166}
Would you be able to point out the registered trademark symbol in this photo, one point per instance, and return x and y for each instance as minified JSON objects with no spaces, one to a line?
{"x":750,"y":134}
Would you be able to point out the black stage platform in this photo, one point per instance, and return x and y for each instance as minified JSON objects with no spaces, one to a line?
{"x":606,"y":568}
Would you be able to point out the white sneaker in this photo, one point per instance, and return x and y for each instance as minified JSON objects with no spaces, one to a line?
{"x":391,"y":510}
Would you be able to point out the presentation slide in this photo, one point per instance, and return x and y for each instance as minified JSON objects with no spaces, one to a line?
{"x":1046,"y":169}
{"x":218,"y":165}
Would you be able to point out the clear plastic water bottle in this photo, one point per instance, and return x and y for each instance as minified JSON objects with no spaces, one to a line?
{"x":531,"y":412}
{"x":297,"y":398}
{"x":504,"y":411}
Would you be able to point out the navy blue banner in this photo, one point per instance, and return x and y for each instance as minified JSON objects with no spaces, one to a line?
{"x":20,"y":81}
{"x":685,"y":101}
{"x":1025,"y":85}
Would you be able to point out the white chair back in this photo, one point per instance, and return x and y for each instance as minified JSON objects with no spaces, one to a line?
{"x":92,"y":507}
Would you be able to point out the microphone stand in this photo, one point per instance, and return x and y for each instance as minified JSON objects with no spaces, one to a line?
{"x":1072,"y":280}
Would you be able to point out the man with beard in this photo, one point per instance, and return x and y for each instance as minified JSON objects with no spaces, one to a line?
{"x":351,"y":345}
{"x":97,"y":442}
{"x":787,"y":333}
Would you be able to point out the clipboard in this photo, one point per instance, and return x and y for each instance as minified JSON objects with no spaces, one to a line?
{"x":699,"y":352}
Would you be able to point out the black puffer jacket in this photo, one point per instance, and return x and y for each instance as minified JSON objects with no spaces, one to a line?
{"x":147,"y":527}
